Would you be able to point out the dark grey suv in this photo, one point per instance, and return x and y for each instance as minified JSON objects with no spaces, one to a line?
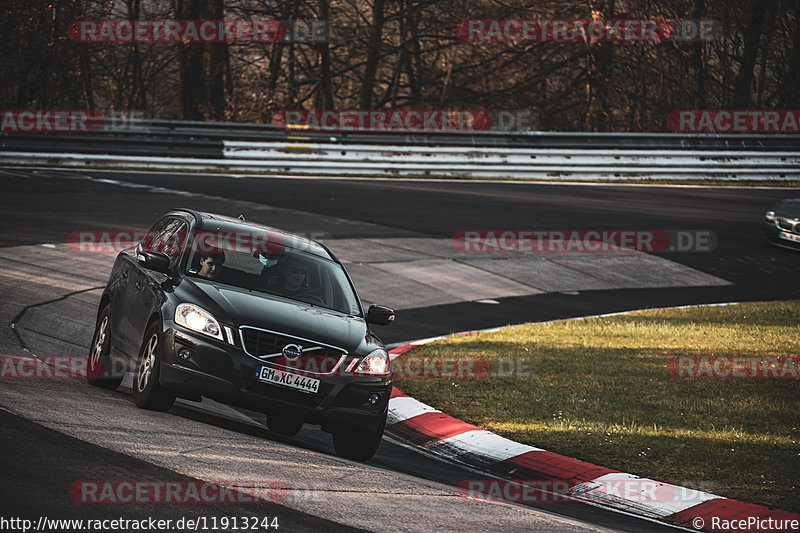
{"x":207,"y":305}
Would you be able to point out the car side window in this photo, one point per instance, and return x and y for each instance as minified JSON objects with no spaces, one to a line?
{"x":173,"y":239}
{"x":168,"y":236}
{"x":150,"y":241}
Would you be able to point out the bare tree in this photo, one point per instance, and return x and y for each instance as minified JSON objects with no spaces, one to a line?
{"x":401,"y":54}
{"x":373,"y":55}
{"x":752,"y":37}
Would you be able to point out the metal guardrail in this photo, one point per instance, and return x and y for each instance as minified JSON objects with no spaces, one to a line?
{"x":547,"y":155}
{"x":218,"y":131}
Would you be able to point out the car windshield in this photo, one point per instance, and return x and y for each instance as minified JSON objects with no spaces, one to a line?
{"x":288,"y":273}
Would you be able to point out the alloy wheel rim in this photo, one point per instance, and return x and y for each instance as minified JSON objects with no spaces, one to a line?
{"x":100,"y":340}
{"x":148,"y":362}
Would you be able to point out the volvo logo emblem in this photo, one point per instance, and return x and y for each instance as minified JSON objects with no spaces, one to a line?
{"x":292,"y":351}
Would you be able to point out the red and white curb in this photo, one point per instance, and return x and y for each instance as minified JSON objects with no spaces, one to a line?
{"x":435,"y":432}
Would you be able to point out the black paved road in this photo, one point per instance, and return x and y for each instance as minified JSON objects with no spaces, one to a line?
{"x":40,"y":207}
{"x":38,"y":477}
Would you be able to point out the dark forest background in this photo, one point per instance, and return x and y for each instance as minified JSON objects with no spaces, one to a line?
{"x":404,"y":54}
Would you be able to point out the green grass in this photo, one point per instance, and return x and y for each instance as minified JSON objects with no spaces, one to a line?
{"x":599,"y":391}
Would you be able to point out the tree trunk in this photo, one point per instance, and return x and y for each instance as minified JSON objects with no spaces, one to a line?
{"x":217,"y":64}
{"x":325,"y":100}
{"x":699,"y":65}
{"x":601,"y":57}
{"x":413,"y":57}
{"x":190,"y":59}
{"x":373,"y":56}
{"x":794,"y":103}
{"x":752,"y":36}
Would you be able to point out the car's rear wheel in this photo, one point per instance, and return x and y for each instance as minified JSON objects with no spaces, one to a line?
{"x":284,"y":425}
{"x":99,"y":369}
{"x":147,"y":391}
{"x":358,"y":445}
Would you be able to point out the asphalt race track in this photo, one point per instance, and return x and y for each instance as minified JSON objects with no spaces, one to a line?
{"x":396,"y":238}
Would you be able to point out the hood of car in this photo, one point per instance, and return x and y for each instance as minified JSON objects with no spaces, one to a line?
{"x":242,"y":307}
{"x":787,"y":208}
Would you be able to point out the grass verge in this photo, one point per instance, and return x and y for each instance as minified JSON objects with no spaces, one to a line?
{"x":598,"y":390}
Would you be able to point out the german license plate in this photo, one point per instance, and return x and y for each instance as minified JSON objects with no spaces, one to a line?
{"x":789,"y":236}
{"x":267,"y":374}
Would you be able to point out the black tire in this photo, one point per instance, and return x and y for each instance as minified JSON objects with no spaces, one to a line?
{"x":284,"y":425}
{"x":147,"y":391}
{"x":100,"y":371}
{"x":358,"y":445}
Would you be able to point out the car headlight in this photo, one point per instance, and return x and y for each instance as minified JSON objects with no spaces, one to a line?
{"x":770,"y":216}
{"x":197,"y":319}
{"x":376,"y":363}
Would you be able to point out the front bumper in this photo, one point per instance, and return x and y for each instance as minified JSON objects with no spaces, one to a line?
{"x":224,"y":373}
{"x":780,"y":236}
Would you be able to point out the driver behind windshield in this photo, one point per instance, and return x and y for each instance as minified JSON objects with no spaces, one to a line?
{"x":292,"y":278}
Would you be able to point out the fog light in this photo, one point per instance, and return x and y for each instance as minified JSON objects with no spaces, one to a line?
{"x":184,"y":354}
{"x":373,"y":399}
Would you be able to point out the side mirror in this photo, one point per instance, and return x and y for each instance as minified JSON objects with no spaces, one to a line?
{"x":380,"y":315}
{"x":157,"y":261}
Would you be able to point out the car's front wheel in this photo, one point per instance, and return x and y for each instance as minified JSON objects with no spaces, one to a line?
{"x":358,"y":445}
{"x":100,"y":371}
{"x":147,"y":391}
